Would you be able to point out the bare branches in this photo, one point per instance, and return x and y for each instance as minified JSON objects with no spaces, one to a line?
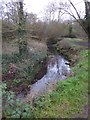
{"x":50,"y":11}
{"x":67,"y":10}
{"x":75,"y":9}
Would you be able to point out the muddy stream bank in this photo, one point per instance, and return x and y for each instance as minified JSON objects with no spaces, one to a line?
{"x":57,"y":69}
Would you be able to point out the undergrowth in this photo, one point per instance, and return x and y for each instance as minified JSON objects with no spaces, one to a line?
{"x":27,"y":67}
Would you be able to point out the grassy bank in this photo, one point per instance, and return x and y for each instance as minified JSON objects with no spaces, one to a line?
{"x":70,"y":96}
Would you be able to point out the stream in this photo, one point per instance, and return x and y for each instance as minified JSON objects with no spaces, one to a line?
{"x":57,"y":69}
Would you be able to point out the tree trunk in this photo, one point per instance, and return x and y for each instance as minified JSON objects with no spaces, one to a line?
{"x":22,"y":42}
{"x":59,"y":15}
{"x":87,"y":18}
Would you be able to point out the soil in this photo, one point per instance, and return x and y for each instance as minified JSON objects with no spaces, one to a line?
{"x":41,"y":72}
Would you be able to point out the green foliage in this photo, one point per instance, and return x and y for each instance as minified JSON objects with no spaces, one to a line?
{"x":16,"y":82}
{"x":29,"y":65}
{"x":12,"y":107}
{"x":13,"y":58}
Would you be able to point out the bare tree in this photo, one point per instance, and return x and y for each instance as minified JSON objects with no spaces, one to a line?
{"x":87,"y":17}
{"x":9,"y":11}
{"x":1,"y":11}
{"x":31,"y":18}
{"x":59,"y":11}
{"x":60,"y":7}
{"x":84,"y":23}
{"x":50,"y":11}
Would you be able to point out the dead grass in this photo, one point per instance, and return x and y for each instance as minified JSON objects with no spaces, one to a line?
{"x":33,"y":46}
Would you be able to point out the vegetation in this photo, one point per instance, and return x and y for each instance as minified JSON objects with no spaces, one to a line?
{"x":87,"y":18}
{"x":22,"y":68}
{"x":70,"y":96}
{"x":27,"y":43}
{"x":21,"y":30}
{"x":63,"y":102}
{"x":12,"y":107}
{"x":18,"y":81}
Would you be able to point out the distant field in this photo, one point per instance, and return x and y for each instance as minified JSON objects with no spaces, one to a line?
{"x":74,"y":42}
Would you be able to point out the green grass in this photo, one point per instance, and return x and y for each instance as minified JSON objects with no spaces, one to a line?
{"x":70,"y":96}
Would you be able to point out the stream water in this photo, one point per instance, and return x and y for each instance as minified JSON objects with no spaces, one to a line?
{"x":57,"y":69}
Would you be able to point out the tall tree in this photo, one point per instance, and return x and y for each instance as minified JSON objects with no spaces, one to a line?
{"x":87,"y":17}
{"x":21,"y":30}
{"x":84,"y":23}
{"x":50,"y":11}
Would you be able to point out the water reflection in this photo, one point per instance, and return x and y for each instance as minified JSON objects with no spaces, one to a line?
{"x":57,"y":69}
